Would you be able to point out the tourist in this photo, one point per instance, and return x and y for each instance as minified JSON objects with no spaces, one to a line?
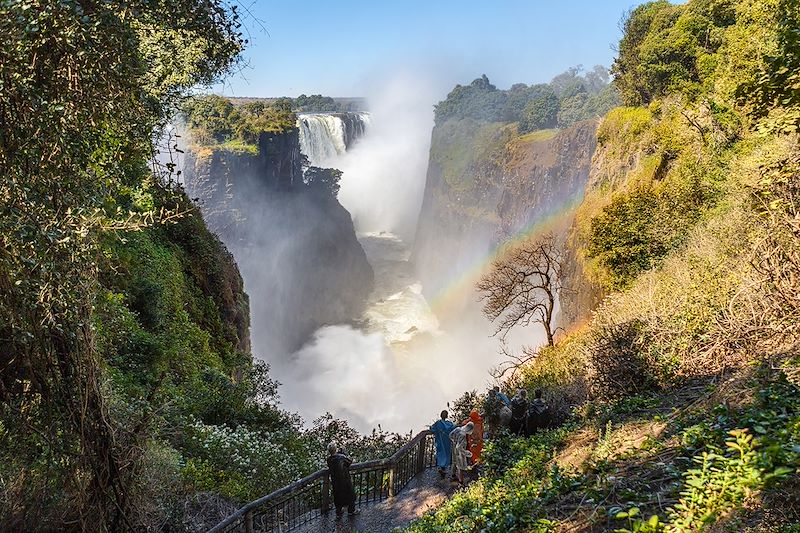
{"x":342,"y":485}
{"x":461,"y":453}
{"x":519,"y":410}
{"x":538,"y":414}
{"x":502,"y":396}
{"x":492,"y":407}
{"x":475,"y":440}
{"x":441,"y":433}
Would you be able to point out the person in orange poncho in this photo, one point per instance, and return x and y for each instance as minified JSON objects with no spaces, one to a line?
{"x":475,"y":440}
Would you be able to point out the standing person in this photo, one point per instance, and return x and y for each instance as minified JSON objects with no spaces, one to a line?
{"x":342,"y":485}
{"x":461,"y":453}
{"x":538,"y":414}
{"x":492,"y":407}
{"x":519,"y":411}
{"x":441,"y":433}
{"x":475,"y":440}
{"x":502,"y":396}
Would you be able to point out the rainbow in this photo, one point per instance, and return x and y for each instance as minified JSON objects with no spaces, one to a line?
{"x":451,"y":296}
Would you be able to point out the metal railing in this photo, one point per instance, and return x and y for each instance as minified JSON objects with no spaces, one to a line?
{"x":309,"y":498}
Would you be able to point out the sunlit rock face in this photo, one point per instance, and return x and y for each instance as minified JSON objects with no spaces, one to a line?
{"x":487,"y":184}
{"x":297,"y":249}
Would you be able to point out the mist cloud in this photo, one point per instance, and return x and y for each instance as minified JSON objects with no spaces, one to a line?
{"x":384,"y":173}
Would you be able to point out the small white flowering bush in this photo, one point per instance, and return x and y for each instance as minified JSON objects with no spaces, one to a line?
{"x":243,"y":463}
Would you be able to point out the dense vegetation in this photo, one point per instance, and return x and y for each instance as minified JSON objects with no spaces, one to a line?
{"x":316,"y":103}
{"x":680,"y":394}
{"x":130,"y":400}
{"x":213,"y":119}
{"x":83,"y":89}
{"x":569,"y":98}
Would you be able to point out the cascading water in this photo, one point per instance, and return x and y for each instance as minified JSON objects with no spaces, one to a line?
{"x":392,"y":366}
{"x":325,"y":136}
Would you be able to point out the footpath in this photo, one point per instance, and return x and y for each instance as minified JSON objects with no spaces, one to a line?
{"x":424,"y":492}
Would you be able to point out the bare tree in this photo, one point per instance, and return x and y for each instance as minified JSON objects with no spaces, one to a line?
{"x":512,"y":363}
{"x":523,"y":285}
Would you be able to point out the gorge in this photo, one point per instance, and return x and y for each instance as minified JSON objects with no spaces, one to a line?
{"x":419,"y":333}
{"x":188,"y":322}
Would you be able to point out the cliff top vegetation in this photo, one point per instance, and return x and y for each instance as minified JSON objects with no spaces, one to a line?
{"x":214,"y":120}
{"x":570,"y":97}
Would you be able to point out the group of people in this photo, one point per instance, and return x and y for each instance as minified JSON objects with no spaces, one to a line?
{"x":460,"y":447}
{"x":457,"y":447}
{"x":518,"y":415}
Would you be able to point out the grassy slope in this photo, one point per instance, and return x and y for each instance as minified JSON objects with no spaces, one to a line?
{"x":643,"y":450}
{"x":682,"y":392}
{"x":645,"y":453}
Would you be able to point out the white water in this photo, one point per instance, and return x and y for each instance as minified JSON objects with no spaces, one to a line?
{"x":323,"y":136}
{"x":396,"y":368}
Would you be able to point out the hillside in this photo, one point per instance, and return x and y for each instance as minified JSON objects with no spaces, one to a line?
{"x":679,"y":396}
{"x":131,"y":400}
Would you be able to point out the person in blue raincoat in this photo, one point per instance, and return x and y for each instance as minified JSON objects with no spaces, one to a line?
{"x":502,"y":396}
{"x":441,"y":431}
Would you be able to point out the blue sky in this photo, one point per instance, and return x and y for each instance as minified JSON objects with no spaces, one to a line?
{"x":338,"y":48}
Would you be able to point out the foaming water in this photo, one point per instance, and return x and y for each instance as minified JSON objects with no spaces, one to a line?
{"x":394,"y":367}
{"x":397,"y":309}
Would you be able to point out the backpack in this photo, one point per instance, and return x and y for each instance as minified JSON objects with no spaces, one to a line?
{"x":538,"y":415}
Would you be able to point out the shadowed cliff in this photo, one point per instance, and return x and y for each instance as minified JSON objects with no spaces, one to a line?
{"x":295,"y":244}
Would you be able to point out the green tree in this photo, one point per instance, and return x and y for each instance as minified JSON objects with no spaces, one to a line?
{"x":480,"y":100}
{"x":779,"y":82}
{"x":325,"y":180}
{"x":83,"y":89}
{"x":210,"y":115}
{"x":669,"y":48}
{"x":541,"y":111}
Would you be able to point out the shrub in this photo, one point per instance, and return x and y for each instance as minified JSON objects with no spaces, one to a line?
{"x":717,"y":484}
{"x":623,"y":237}
{"x":541,"y":111}
{"x":461,"y":407}
{"x":323,"y":180}
{"x":560,"y":372}
{"x":620,"y":364}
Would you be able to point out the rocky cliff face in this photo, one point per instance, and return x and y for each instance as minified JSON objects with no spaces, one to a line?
{"x":486,"y":183}
{"x":296,"y":247}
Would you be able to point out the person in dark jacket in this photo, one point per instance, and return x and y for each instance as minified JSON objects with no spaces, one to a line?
{"x":342,"y":485}
{"x":519,"y":411}
{"x":538,"y":414}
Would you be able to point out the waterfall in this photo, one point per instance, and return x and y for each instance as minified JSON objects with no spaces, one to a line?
{"x":325,"y":136}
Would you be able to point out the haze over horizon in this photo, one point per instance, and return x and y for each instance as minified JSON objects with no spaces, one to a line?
{"x":304,"y":49}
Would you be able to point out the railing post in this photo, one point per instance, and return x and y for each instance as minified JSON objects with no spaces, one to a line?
{"x":325,"y":504}
{"x":422,"y":449}
{"x":391,"y":479}
{"x":248,"y":522}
